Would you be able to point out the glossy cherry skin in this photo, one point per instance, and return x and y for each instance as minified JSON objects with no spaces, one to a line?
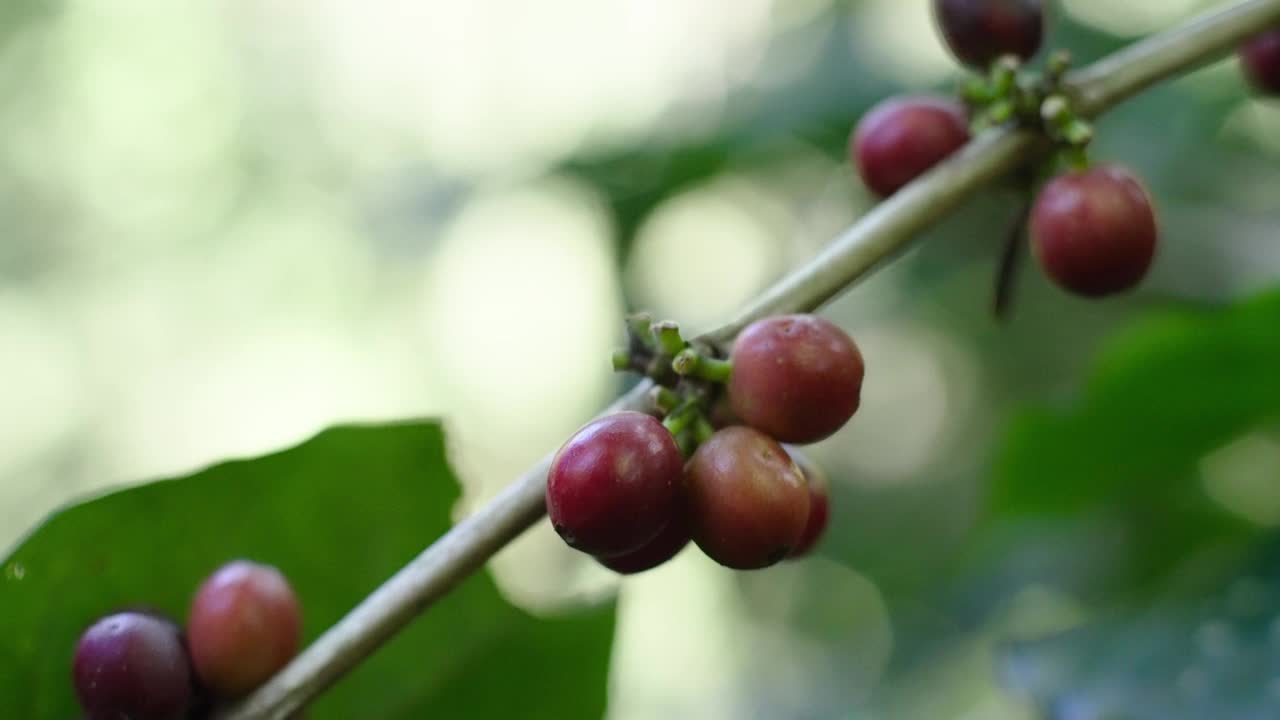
{"x":980,"y":31}
{"x":748,"y":500}
{"x":901,"y":138}
{"x":132,"y":665}
{"x":1094,"y":231}
{"x":673,"y":538}
{"x":1261,"y":59}
{"x":614,"y":485}
{"x":797,"y":378}
{"x":819,"y":505}
{"x":245,"y":624}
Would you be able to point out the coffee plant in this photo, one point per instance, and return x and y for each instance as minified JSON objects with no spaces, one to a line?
{"x":210,"y":596}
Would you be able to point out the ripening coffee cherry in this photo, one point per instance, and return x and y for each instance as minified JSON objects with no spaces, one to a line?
{"x":657,"y":551}
{"x":819,"y":506}
{"x":980,"y":31}
{"x":614,"y":485}
{"x":245,"y":624}
{"x":748,"y":501}
{"x":901,"y":138}
{"x":1094,"y":231}
{"x":132,"y":665}
{"x":798,"y":378}
{"x":1261,"y":59}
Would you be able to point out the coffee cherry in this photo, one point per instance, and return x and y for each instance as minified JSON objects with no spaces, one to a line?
{"x":1261,"y":59}
{"x":819,"y":505}
{"x":132,"y":665}
{"x":901,"y":138}
{"x":1094,"y":231}
{"x":798,"y":378}
{"x":613,"y":486}
{"x":748,"y":501}
{"x":979,"y":31}
{"x":657,"y":551}
{"x":245,"y":624}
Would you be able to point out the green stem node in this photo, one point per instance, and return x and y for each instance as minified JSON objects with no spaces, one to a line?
{"x":663,"y":399}
{"x":687,"y":444}
{"x":1057,"y":65}
{"x":976,"y":91}
{"x":691,"y":363}
{"x":640,"y":327}
{"x":668,"y":337}
{"x":680,"y":418}
{"x":1075,"y":157}
{"x":714,"y":370}
{"x":686,"y":362}
{"x":1078,"y":132}
{"x":1004,"y":73}
{"x":702,"y":430}
{"x":1000,"y":112}
{"x":1055,"y":110}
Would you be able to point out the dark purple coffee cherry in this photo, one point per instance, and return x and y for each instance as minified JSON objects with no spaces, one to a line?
{"x":615,"y":484}
{"x":1094,"y":231}
{"x":1261,"y":59}
{"x":980,"y":31}
{"x":673,"y":538}
{"x":901,"y":138}
{"x":132,"y":665}
{"x":819,"y":508}
{"x":748,"y":501}
{"x":798,"y":378}
{"x":245,"y":624}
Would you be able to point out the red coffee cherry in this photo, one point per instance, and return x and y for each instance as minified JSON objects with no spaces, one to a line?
{"x":748,"y":501}
{"x":980,"y":31}
{"x":1094,"y":231}
{"x":132,"y":665}
{"x":901,"y":138}
{"x":819,"y":507}
{"x":1261,"y":59}
{"x":673,"y":538}
{"x":614,"y":485}
{"x":245,"y":624}
{"x":798,"y":378}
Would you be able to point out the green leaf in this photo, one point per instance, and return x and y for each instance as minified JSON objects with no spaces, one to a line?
{"x":1163,"y":396}
{"x":1101,"y":498}
{"x":1211,"y":656}
{"x":338,"y":515}
{"x":1124,"y":459}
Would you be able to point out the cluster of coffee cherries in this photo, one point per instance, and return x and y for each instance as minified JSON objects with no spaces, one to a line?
{"x":245,"y":623}
{"x":1092,"y":227}
{"x":707,"y":462}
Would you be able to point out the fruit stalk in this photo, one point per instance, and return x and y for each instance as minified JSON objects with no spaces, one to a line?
{"x":879,"y":235}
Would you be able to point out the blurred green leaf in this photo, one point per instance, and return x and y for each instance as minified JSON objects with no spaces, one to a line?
{"x":1214,"y":656}
{"x":1124,"y":460}
{"x":338,"y":515}
{"x":1163,"y":395}
{"x":1101,"y":499}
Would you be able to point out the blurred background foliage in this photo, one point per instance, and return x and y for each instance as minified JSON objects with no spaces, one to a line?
{"x":227,"y":225}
